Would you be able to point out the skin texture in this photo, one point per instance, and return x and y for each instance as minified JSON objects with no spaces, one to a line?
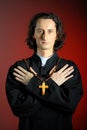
{"x":45,"y":35}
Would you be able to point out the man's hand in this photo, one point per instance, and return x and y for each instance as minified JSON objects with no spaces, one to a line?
{"x":62,"y":75}
{"x":23,"y":75}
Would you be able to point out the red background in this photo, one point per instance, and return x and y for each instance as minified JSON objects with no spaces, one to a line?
{"x":14,"y":18}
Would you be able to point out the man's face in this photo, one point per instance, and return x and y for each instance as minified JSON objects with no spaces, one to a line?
{"x":45,"y":34}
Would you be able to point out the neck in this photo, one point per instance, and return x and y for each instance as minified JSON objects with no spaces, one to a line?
{"x":45,"y":53}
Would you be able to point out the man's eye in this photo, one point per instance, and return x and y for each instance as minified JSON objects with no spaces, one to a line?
{"x":40,"y":31}
{"x":50,"y":31}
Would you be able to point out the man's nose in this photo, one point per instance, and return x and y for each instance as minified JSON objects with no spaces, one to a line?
{"x":44,"y":35}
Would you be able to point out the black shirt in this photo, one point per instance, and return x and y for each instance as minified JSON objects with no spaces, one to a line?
{"x":52,"y":111}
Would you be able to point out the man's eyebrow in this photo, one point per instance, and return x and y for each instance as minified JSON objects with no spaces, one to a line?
{"x":38,"y":28}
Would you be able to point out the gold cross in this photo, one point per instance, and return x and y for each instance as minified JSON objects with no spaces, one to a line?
{"x":43,"y":86}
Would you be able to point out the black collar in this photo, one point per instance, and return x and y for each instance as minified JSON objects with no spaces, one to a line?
{"x":51,"y":61}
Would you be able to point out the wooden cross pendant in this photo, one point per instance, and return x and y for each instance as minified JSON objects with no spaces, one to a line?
{"x":43,"y":86}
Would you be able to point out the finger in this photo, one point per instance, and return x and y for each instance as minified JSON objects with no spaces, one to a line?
{"x":53,"y":70}
{"x":31,"y":69}
{"x":63,"y":68}
{"x":18,"y":79}
{"x":68,"y":70}
{"x":19,"y":72}
{"x":22,"y":69}
{"x":69,"y":77}
{"x":18,"y":76}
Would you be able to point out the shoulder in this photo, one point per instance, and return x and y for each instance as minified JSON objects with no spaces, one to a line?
{"x":76,"y":80}
{"x":17,"y":63}
{"x":69,"y":62}
{"x":76,"y":73}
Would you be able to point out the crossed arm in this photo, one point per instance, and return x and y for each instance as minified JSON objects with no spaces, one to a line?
{"x":61,"y":76}
{"x":22,"y":104}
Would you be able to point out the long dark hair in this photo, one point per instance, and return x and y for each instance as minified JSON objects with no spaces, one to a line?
{"x":31,"y":42}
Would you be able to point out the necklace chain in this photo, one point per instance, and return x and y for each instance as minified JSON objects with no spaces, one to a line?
{"x":37,"y":76}
{"x":43,"y":86}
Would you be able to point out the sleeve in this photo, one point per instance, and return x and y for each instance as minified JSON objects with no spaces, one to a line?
{"x":20,"y":100}
{"x":65,"y":97}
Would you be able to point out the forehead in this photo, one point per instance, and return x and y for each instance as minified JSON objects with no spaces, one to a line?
{"x":45,"y":23}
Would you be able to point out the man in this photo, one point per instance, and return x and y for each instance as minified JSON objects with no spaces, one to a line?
{"x":44,"y":90}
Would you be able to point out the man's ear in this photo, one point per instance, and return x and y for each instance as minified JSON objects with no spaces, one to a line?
{"x":33,"y":36}
{"x":57,"y":36}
